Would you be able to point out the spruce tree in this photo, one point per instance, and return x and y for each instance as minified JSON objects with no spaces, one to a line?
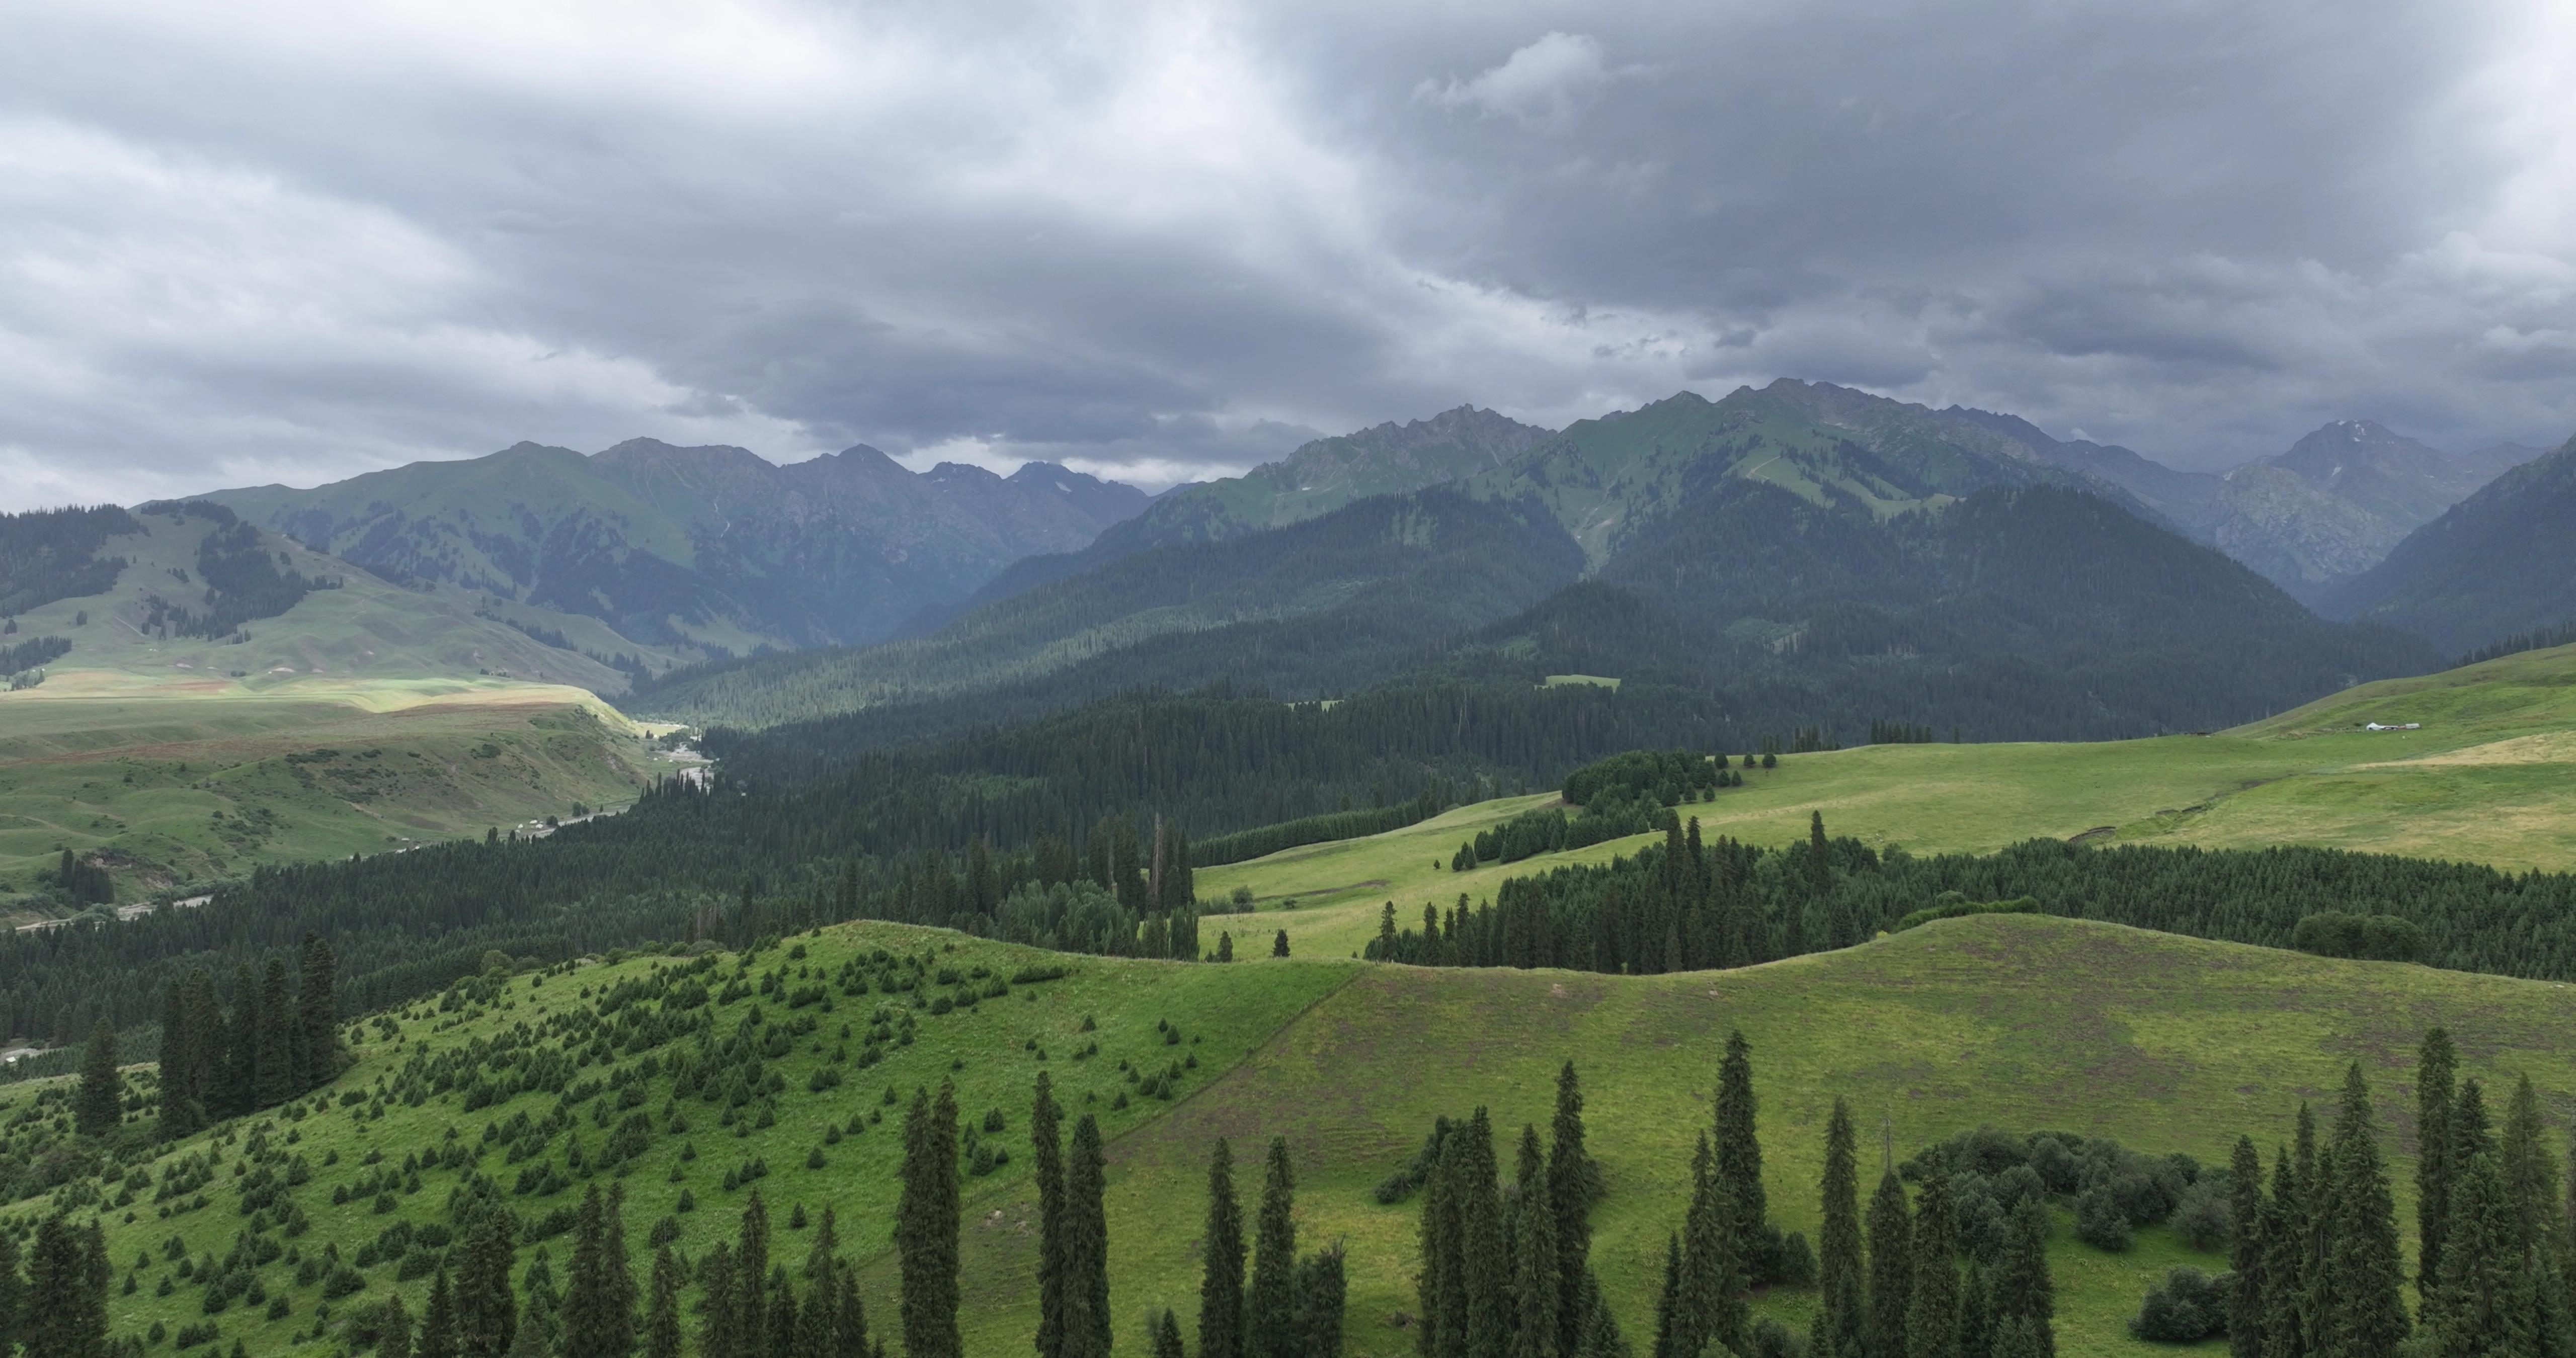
{"x":585,"y":1301}
{"x":438,"y":1321}
{"x":181,"y":1114}
{"x":1535,"y":1276}
{"x":1048,"y":1142}
{"x":2247,"y":1250}
{"x":1841,"y":1315}
{"x":1487,"y":1271}
{"x":751,"y":1276}
{"x":782,"y":1313}
{"x":2365,"y":1315}
{"x":1976,"y":1314}
{"x":100,"y":1104}
{"x":1323,"y":1292}
{"x":1932,"y":1316}
{"x":926,"y":1227}
{"x":1891,"y":1268}
{"x":393,"y":1330}
{"x":541,"y":1310}
{"x":1712,"y":1306}
{"x":487,"y":1309}
{"x":1086,"y":1246}
{"x":241,"y":1046}
{"x":2488,"y":1306}
{"x":1167,"y":1337}
{"x":2436,"y":1064}
{"x":622,"y":1293}
{"x":2530,"y":1171}
{"x":67,"y":1273}
{"x":1221,"y":1323}
{"x":1739,"y":1159}
{"x":1672,"y":1304}
{"x":2021,"y":1289}
{"x":1442,"y":1281}
{"x":720,"y":1314}
{"x":662,"y":1320}
{"x":13,"y":1294}
{"x":1272,"y":1305}
{"x":1572,"y":1182}
{"x":273,"y":1078}
{"x":2014,"y":1339}
{"x":851,"y":1338}
{"x":317,"y":1015}
{"x":1601,"y":1337}
{"x":2285,"y":1250}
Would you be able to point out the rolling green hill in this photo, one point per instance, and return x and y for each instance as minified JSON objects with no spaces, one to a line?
{"x":2486,"y":780}
{"x":2167,"y":1044}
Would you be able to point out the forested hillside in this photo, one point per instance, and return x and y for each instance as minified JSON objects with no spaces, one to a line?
{"x":2500,"y":562}
{"x":1322,"y":606}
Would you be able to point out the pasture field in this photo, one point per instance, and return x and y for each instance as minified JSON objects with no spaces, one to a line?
{"x":2021,"y":1022}
{"x":171,"y":782}
{"x":2490,"y":778}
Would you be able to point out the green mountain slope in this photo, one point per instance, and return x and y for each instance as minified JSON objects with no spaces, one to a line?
{"x":2501,"y":561}
{"x":2167,"y":1044}
{"x":712,"y":548}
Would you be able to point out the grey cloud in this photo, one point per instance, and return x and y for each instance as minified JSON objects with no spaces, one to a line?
{"x":1171,"y":239}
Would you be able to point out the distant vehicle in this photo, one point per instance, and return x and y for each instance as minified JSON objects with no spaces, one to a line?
{"x":2402,"y":726}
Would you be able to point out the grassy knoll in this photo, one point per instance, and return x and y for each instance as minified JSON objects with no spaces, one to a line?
{"x":172,"y":782}
{"x":1222,"y":1012}
{"x":2490,"y":778}
{"x":2168,"y":1044}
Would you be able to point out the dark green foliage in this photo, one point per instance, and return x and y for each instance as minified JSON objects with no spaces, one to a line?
{"x":14,"y":1317}
{"x":1932,"y":1313}
{"x":926,"y":1227}
{"x":2020,"y":1290}
{"x":1710,"y":1307}
{"x":1086,"y":1246}
{"x":1167,"y":1336}
{"x":2365,"y":1316}
{"x":720,"y":1327}
{"x":99,"y":1107}
{"x":28,"y":654}
{"x":1323,"y":1294}
{"x":2486,"y":1289}
{"x":2183,"y":1307}
{"x":662,"y":1320}
{"x":2247,"y":1253}
{"x":438,"y":1321}
{"x":66,"y":1297}
{"x":1332,"y":825}
{"x":1891,"y":1269}
{"x":1842,"y":1313}
{"x":487,"y":1308}
{"x":1271,"y":1304}
{"x":1574,"y":1182}
{"x":2435,"y":1065}
{"x":2378,"y":938}
{"x":1048,"y":1142}
{"x":1537,"y":1281}
{"x":52,"y":554}
{"x":1221,"y":1302}
{"x":1663,"y":778}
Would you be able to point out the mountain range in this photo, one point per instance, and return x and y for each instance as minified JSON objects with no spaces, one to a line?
{"x":712,"y":548}
{"x":2499,"y":563}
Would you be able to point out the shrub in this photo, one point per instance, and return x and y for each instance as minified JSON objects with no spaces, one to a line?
{"x":2203,"y":1217}
{"x":2185,"y":1307}
{"x":2099,"y":1222}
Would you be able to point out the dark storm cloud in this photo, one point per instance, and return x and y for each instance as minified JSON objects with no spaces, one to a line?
{"x":295,"y":241}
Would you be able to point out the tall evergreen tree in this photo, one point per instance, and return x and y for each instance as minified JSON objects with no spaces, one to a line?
{"x":273,"y":1075}
{"x":1672,"y":1304}
{"x":2247,"y":1250}
{"x":1711,"y":1308}
{"x":1932,"y":1317}
{"x":720,"y":1333}
{"x":1086,"y":1246}
{"x":782,"y":1314}
{"x":1976,"y":1313}
{"x":2530,"y":1170}
{"x":2365,"y":1315}
{"x":1323,"y":1292}
{"x":751,"y":1276}
{"x":1601,"y":1337}
{"x":13,"y":1294}
{"x":2436,"y":1066}
{"x":181,"y":1113}
{"x":2488,"y":1306}
{"x":926,"y":1225}
{"x":1272,"y":1305}
{"x":487,"y":1308}
{"x":317,"y":1012}
{"x":67,"y":1275}
{"x":100,"y":1104}
{"x":1487,"y":1272}
{"x":1535,"y":1277}
{"x":1891,"y":1268}
{"x":1841,"y":1313}
{"x":438,"y":1320}
{"x":1221,"y":1322}
{"x":1739,"y":1159}
{"x":393,"y":1329}
{"x":540,"y":1310}
{"x":1572,"y":1182}
{"x":1048,"y":1141}
{"x":1439,"y":1284}
{"x":2285,"y":1253}
{"x":1167,"y":1337}
{"x":851,"y":1340}
{"x":662,"y":1319}
{"x":2021,"y":1290}
{"x":622,"y":1292}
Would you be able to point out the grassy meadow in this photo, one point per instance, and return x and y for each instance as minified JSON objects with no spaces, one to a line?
{"x":2166,"y":1043}
{"x":172,"y":783}
{"x":2491,"y":778}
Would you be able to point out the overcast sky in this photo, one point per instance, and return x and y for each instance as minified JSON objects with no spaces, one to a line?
{"x":266,"y":241}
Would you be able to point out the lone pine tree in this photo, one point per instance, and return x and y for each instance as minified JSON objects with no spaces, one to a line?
{"x":1221,"y":1318}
